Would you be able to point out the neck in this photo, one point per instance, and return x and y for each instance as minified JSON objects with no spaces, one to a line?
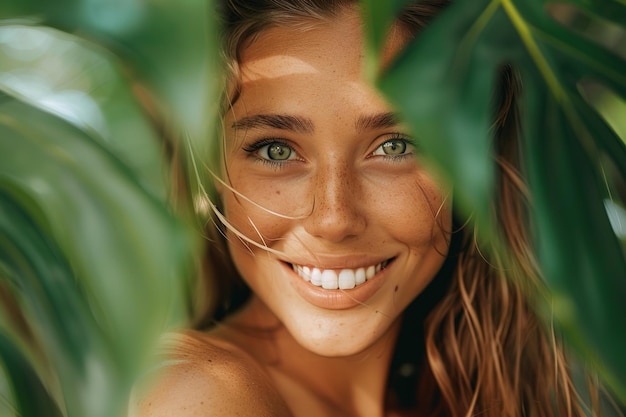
{"x":350,"y":385}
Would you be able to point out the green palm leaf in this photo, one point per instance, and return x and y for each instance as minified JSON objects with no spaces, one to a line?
{"x":439,"y":84}
{"x":32,"y":399}
{"x":166,"y":46}
{"x":91,"y":255}
{"x":94,"y":264}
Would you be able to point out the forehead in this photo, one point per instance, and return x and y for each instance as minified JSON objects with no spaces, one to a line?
{"x":314,"y":73}
{"x":333,"y":45}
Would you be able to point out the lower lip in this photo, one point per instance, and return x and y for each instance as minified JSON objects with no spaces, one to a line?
{"x":337,"y":299}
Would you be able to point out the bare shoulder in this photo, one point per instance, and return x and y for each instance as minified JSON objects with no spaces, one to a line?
{"x":205,"y":376}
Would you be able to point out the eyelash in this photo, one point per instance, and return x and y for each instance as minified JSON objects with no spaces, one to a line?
{"x":410,"y":147}
{"x":255,"y":147}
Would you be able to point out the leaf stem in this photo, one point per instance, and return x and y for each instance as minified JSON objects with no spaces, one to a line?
{"x":534,"y":51}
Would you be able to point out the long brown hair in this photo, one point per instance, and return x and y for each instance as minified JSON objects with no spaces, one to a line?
{"x":470,"y":344}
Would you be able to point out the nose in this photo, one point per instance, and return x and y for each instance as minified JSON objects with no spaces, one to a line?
{"x":338,"y":204}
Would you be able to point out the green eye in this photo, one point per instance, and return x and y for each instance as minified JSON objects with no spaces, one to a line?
{"x":276,"y":152}
{"x":394,"y":147}
{"x":272,"y":151}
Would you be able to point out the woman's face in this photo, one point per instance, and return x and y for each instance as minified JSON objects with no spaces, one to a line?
{"x":333,"y":185}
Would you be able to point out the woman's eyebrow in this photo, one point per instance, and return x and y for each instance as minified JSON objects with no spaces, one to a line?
{"x":376,"y":121}
{"x":276,"y":121}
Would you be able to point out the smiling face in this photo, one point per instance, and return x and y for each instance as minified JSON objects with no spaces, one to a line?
{"x":330,"y":182}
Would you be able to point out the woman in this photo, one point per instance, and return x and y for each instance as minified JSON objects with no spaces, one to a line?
{"x":364,"y":294}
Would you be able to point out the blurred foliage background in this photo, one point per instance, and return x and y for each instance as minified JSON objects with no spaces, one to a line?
{"x":95,"y":264}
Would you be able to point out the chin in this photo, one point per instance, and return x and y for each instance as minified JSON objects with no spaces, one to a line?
{"x":342,"y":338}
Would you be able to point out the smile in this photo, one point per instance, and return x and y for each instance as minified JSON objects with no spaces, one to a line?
{"x":343,"y":279}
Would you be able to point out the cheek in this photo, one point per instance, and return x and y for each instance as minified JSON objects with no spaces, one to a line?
{"x":416,"y":209}
{"x":410,"y":208}
{"x":423,"y":222}
{"x":264,"y":210}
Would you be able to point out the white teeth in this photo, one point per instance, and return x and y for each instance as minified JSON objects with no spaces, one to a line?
{"x":304,"y":272}
{"x":316,"y":277}
{"x":329,"y":280}
{"x":359,"y":276}
{"x":344,"y":279}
